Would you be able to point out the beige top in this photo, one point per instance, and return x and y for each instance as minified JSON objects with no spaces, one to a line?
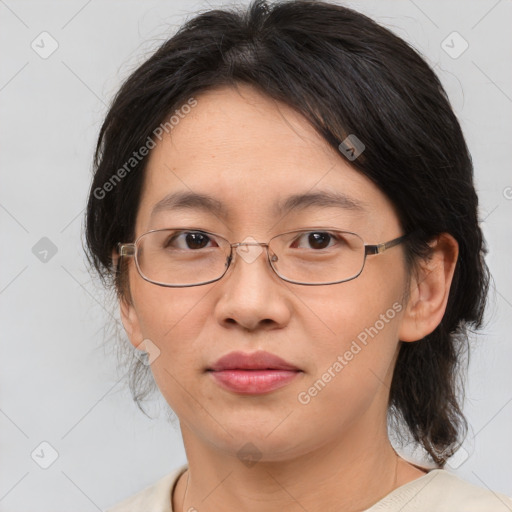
{"x":437,"y":491}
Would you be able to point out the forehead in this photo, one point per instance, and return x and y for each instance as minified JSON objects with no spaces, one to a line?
{"x":254,"y":157}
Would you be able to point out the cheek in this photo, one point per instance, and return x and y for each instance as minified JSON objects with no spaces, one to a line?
{"x":168,"y":314}
{"x":353,"y":369}
{"x":353,"y":334}
{"x":172,"y":319}
{"x":341,"y":313}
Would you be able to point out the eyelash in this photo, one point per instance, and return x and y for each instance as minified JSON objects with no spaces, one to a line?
{"x":176,"y":236}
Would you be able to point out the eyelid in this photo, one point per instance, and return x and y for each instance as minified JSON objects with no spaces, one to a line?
{"x":300,"y":231}
{"x":332,"y":233}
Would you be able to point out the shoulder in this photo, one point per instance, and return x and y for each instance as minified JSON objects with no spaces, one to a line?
{"x":442,"y":491}
{"x":154,"y":498}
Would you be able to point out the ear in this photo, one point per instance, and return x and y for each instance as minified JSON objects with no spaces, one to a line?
{"x":128,"y":311}
{"x":130,"y":320}
{"x":429,"y":289}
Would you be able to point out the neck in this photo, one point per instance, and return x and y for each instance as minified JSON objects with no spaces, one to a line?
{"x":351,"y":473}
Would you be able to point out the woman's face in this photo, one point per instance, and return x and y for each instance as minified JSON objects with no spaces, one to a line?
{"x":251,"y":154}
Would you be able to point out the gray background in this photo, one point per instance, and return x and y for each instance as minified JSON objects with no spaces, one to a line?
{"x":59,"y":382}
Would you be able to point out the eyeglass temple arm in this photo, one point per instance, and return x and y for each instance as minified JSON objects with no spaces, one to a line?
{"x":378,"y":248}
{"x":126,"y":249}
{"x":122,"y":250}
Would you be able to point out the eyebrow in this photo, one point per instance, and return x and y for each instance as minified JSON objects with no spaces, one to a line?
{"x":209,"y":204}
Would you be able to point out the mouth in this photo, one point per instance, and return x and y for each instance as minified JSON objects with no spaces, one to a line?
{"x":253,"y":382}
{"x":256,"y":373}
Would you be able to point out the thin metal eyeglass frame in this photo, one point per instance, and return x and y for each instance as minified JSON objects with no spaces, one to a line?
{"x":130,"y":249}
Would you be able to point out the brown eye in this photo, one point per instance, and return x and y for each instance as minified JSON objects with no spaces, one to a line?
{"x":314,"y":240}
{"x":189,"y":240}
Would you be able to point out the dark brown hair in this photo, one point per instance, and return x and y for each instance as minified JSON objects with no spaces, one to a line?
{"x":346,"y":75}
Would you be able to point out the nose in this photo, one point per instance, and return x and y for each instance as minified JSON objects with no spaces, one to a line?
{"x":249,"y":250}
{"x":252,"y":296}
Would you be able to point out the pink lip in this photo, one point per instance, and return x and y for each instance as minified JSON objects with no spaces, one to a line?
{"x":260,"y":372}
{"x":256,"y":361}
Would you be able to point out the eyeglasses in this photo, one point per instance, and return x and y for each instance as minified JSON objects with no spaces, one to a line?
{"x":177,"y":257}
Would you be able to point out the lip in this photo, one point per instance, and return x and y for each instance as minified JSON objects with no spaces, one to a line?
{"x":253,"y":374}
{"x":260,"y":360}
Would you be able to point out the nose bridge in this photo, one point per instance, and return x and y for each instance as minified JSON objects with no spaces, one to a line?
{"x":238,"y":244}
{"x":250,"y":250}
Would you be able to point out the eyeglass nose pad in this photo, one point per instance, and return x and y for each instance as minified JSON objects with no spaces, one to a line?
{"x":229,"y":259}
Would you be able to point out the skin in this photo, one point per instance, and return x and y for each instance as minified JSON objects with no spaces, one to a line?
{"x":333,"y":453}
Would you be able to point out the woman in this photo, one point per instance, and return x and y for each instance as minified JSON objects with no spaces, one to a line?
{"x":283,"y":201}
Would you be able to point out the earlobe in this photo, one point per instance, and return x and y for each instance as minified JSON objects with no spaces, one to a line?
{"x":429,"y":289}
